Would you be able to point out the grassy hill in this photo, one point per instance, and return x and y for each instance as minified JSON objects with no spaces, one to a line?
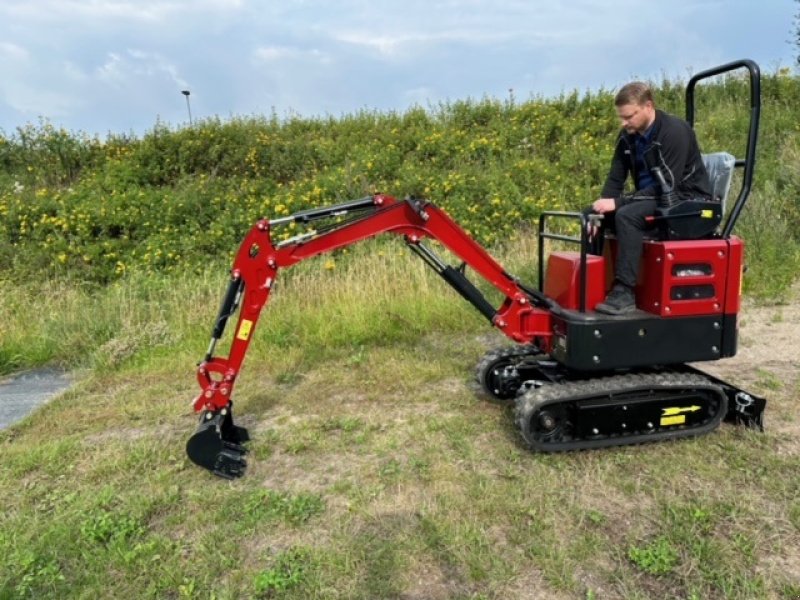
{"x":92,"y":209}
{"x":377,"y":469}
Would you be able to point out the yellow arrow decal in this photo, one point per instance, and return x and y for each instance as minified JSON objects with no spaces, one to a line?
{"x":677,"y":410}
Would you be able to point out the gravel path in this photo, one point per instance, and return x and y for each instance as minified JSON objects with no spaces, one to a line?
{"x":20,"y":394}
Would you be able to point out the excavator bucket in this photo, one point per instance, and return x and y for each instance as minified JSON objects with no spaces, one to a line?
{"x":217,"y":444}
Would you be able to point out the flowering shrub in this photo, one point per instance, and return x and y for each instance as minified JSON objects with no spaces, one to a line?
{"x":74,"y":205}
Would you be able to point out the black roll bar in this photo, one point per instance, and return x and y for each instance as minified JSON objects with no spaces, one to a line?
{"x":749,"y":161}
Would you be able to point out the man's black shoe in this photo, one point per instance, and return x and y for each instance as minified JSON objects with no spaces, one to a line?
{"x":620,"y":300}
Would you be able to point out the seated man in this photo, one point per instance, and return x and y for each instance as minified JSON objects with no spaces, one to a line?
{"x":646,"y":132}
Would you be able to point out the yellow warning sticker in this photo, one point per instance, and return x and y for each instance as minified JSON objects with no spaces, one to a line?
{"x":706,"y":214}
{"x":674,"y":420}
{"x":244,"y":330}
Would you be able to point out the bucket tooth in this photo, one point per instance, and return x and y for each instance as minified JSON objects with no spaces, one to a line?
{"x":216,"y":445}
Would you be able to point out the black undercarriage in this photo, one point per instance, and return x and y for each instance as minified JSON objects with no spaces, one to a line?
{"x":559,"y":409}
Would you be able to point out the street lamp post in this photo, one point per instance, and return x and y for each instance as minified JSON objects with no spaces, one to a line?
{"x":188,"y":107}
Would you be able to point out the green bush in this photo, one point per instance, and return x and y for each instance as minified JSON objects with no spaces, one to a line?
{"x":75,"y":206}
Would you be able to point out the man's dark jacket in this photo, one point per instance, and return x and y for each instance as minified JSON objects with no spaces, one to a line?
{"x":680,"y":162}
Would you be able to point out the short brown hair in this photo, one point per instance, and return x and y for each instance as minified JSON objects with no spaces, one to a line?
{"x":636,"y":92}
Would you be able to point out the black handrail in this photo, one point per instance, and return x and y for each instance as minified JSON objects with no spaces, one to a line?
{"x":749,"y":160}
{"x":582,"y":240}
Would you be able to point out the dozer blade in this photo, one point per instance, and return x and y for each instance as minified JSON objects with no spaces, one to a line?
{"x":217,"y":444}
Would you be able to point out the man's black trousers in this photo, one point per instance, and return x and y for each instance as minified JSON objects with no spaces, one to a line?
{"x":629,"y":225}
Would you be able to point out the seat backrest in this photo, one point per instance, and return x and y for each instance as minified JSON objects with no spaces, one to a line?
{"x":720,"y":166}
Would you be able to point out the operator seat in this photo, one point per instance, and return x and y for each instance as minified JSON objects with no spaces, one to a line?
{"x":694,"y":219}
{"x":720,"y":166}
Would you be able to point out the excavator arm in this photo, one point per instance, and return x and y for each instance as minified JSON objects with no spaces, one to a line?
{"x":524,"y":315}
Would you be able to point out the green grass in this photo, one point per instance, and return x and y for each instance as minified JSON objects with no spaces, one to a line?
{"x":376,"y":468}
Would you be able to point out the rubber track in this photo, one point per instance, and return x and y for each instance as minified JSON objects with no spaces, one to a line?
{"x":533,"y":400}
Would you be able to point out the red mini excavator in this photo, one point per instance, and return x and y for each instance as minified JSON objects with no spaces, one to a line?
{"x":579,"y":379}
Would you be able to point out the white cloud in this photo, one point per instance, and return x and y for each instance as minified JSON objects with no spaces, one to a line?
{"x":418,"y":95}
{"x":116,"y":10}
{"x":9,"y":51}
{"x":151,"y":63}
{"x":110,"y":71}
{"x":270,"y":54}
{"x":123,"y":70}
{"x":397,"y":44}
{"x":37,"y":101}
{"x":118,"y":64}
{"x":402,"y":32}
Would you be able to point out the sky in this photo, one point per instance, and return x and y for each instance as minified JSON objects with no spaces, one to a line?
{"x":119,"y":66}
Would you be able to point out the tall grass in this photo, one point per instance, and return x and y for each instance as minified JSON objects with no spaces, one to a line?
{"x":378,"y":293}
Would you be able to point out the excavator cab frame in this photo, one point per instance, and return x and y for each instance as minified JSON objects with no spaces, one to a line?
{"x":747,"y":163}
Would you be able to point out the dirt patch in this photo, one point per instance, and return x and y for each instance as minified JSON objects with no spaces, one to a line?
{"x":130,"y":434}
{"x":432,"y":582}
{"x":783,"y":567}
{"x":767,"y":363}
{"x":531,"y":585}
{"x":767,"y":340}
{"x":307,"y":473}
{"x":316,"y":443}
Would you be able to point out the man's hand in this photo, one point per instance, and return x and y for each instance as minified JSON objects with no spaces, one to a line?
{"x":600,"y":206}
{"x":604,"y":205}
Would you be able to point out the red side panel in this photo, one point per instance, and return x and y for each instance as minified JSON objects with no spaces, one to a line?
{"x":690,"y":277}
{"x":733,"y":294}
{"x":562,"y":280}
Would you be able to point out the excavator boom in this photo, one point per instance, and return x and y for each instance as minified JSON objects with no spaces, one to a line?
{"x":524,"y":315}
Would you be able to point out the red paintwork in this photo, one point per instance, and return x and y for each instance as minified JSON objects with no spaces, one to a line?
{"x":516,"y":317}
{"x":258,"y":261}
{"x":562,"y":279}
{"x":657,"y":276}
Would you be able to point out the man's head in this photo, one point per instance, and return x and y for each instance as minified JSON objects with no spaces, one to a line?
{"x":635,"y":107}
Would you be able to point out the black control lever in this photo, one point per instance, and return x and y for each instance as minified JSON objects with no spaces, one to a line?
{"x":668,"y":197}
